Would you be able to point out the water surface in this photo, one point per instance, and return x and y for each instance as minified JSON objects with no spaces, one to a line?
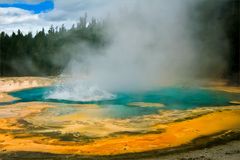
{"x":171,"y":97}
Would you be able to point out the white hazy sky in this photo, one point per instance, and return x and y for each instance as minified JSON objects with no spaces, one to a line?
{"x":65,"y":12}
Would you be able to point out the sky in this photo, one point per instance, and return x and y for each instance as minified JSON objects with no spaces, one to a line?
{"x":33,"y":15}
{"x":37,"y":8}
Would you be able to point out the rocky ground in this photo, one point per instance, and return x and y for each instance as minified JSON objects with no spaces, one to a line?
{"x":228,"y":151}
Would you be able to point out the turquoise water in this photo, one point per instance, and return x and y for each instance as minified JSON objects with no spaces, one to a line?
{"x":172,"y":97}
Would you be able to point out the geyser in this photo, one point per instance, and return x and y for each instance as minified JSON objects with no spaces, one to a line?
{"x":151,"y":45}
{"x":83,"y":92}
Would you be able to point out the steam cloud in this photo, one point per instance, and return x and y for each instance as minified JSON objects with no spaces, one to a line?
{"x":151,"y":45}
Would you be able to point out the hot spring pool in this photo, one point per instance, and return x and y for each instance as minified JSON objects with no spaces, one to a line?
{"x":172,"y":98}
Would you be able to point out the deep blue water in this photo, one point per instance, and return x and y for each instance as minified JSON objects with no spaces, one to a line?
{"x":172,"y":97}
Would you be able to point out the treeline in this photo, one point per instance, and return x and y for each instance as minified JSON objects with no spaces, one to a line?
{"x":41,"y":54}
{"x":231,"y":16}
{"x":217,"y":33}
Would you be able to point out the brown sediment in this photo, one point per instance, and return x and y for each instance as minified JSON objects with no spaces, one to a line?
{"x":176,"y":134}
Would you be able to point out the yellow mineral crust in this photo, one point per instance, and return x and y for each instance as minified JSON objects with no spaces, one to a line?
{"x":144,"y":104}
{"x":175,"y":134}
{"x":4,"y":97}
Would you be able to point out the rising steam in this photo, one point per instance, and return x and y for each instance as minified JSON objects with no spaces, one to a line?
{"x":151,"y":45}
